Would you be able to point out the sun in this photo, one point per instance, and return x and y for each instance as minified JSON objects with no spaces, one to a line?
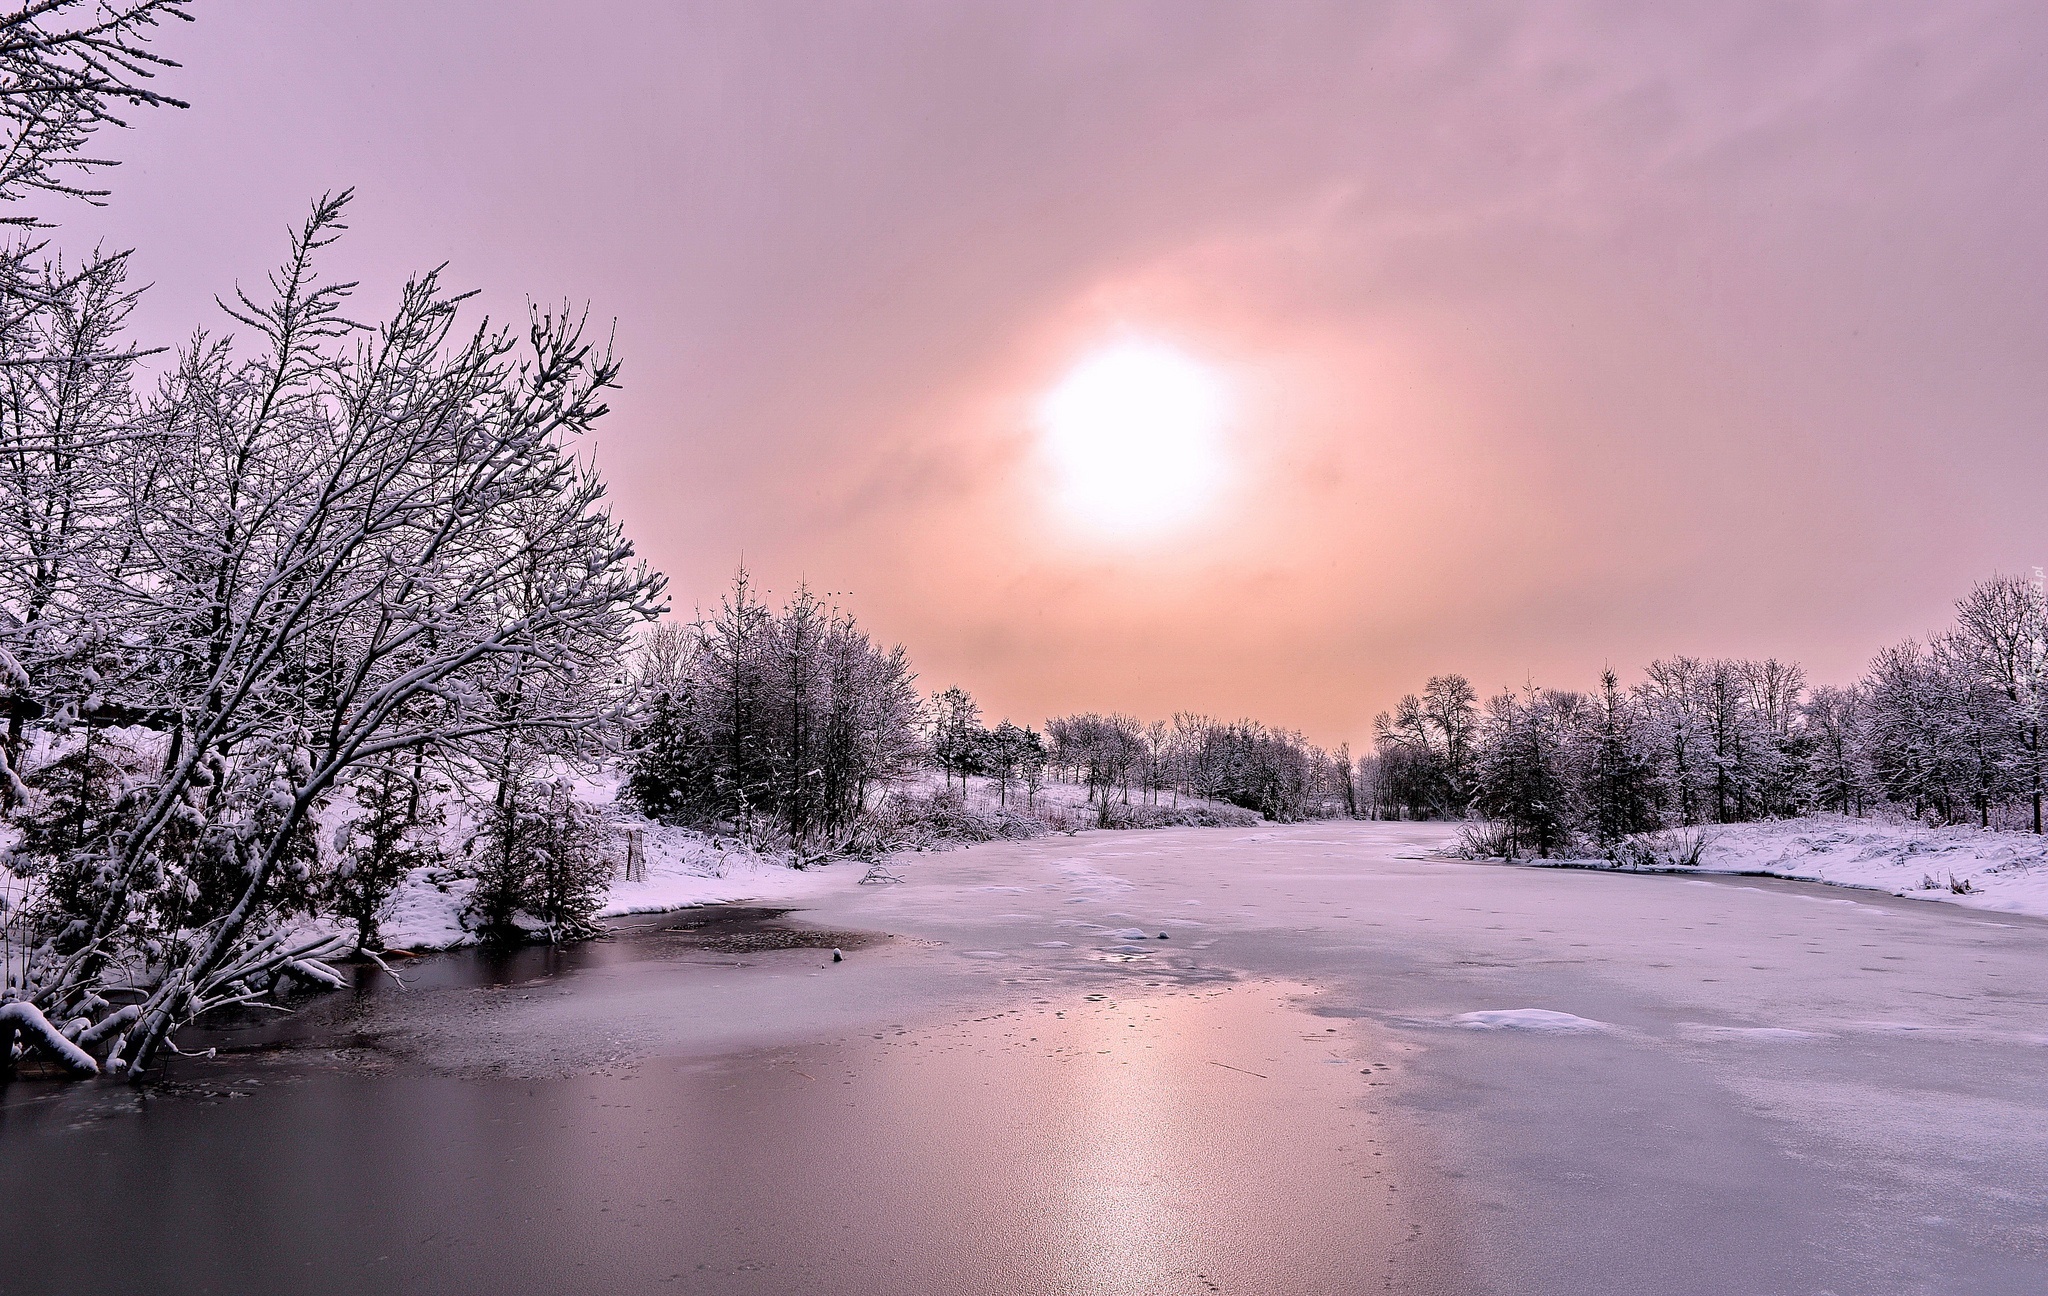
{"x":1134,"y":434}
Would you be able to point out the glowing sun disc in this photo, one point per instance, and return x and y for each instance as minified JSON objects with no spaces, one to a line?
{"x":1134,"y":434}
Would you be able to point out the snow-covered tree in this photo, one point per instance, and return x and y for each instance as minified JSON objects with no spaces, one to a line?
{"x":1999,"y":641}
{"x":1617,"y":767}
{"x":1523,"y":778}
{"x":336,"y":545}
{"x":1834,"y":721}
{"x":774,"y":725}
{"x":397,"y":830}
{"x":954,"y":734}
{"x":1426,"y":747}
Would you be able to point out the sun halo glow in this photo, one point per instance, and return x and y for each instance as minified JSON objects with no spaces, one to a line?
{"x":1134,"y":435}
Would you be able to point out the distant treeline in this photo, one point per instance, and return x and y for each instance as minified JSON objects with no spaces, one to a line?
{"x":1278,"y":774}
{"x":1274,"y":773}
{"x":1947,"y":730}
{"x":785,"y":726}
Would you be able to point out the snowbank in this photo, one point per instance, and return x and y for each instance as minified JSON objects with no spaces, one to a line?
{"x":684,"y":868}
{"x":2003,"y":871}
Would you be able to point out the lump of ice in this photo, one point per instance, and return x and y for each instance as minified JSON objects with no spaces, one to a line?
{"x":1529,"y":1019}
{"x":1130,"y":933}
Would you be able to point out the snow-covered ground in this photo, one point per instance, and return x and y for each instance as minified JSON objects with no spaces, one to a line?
{"x":2003,"y":871}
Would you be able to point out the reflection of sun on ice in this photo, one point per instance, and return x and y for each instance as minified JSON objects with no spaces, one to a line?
{"x":1134,"y":433}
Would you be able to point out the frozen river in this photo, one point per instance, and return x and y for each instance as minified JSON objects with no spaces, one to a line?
{"x":1348,"y":1067}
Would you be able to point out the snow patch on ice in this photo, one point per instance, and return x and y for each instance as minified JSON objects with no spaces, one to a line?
{"x":1758,"y":1033}
{"x":1527,"y":1019}
{"x":1082,"y":877}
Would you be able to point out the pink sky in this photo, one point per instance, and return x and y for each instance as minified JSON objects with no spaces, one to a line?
{"x":1558,"y":335}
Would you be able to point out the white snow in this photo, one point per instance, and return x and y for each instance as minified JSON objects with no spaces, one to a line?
{"x":426,"y":911}
{"x":683,"y":869}
{"x":687,"y":868}
{"x":1527,"y":1019}
{"x":2005,"y":871}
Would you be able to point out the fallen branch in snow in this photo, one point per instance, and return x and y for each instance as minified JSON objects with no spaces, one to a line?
{"x":110,"y":1026}
{"x":21,"y":1018}
{"x":314,"y":972}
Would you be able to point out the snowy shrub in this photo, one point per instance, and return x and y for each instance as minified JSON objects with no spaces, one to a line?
{"x":1115,"y":814}
{"x":1486,"y":839}
{"x":912,"y":821}
{"x":1669,"y":848}
{"x":1685,"y":847}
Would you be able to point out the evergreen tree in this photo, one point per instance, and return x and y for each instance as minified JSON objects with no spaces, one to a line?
{"x":1522,"y":777}
{"x":394,"y":834}
{"x":1620,"y":770}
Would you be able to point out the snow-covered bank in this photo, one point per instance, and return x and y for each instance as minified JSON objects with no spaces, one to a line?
{"x":432,"y":906}
{"x":1983,"y":868}
{"x":684,"y":868}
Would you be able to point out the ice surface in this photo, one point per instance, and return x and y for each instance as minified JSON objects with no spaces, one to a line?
{"x":1787,"y":1093}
